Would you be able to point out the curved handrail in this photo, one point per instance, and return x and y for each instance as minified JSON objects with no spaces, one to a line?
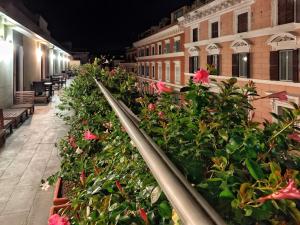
{"x":192,"y":208}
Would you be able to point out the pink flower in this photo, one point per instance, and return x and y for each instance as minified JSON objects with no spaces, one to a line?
{"x":201,"y":76}
{"x":294,"y":136}
{"x":151,"y":107}
{"x":119,"y":186}
{"x":82,"y":177}
{"x":143,"y":215}
{"x":58,"y":220}
{"x":72,"y":142}
{"x":161,"y":115}
{"x":89,"y":136}
{"x":289,"y":192}
{"x":153,"y":85}
{"x":161,"y":88}
{"x":282,"y":96}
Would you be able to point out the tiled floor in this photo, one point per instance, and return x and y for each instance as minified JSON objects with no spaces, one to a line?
{"x":28,"y":156}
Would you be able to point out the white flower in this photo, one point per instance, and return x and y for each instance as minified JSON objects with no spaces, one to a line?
{"x":45,"y":186}
{"x":106,"y":132}
{"x":79,"y":151}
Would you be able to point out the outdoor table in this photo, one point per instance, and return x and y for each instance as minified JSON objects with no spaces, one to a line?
{"x":49,"y":85}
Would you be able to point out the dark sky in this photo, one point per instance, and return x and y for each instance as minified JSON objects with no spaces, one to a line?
{"x":102,"y":25}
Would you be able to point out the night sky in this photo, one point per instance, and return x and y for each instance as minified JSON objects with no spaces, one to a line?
{"x":102,"y":26}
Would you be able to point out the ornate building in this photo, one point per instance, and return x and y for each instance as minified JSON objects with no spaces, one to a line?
{"x":246,"y":39}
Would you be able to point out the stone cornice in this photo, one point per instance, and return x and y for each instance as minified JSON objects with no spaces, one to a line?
{"x":161,"y":35}
{"x":212,"y":9}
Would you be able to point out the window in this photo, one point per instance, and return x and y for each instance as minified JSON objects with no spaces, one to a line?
{"x":159,"y":49}
{"x":177,"y":73}
{"x":241,"y":65}
{"x":167,"y":48}
{"x":194,"y":64}
{"x":147,"y":52}
{"x":143,"y":71}
{"x":147,"y":71}
{"x":167,"y":71}
{"x":286,"y":11}
{"x":286,"y":65}
{"x":159,"y":71}
{"x":153,"y":71}
{"x":215,"y":30}
{"x":242,"y":25}
{"x":153,"y":50}
{"x":214,"y":62}
{"x":177,"y":46}
{"x":195,"y":35}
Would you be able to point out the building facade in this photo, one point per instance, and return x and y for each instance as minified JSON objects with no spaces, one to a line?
{"x":160,"y":55}
{"x":27,"y":51}
{"x":248,"y":39}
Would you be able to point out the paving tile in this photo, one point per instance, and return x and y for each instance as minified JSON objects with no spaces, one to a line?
{"x":39,"y":212}
{"x":28,"y":156}
{"x":14,"y":219}
{"x":21,"y":200}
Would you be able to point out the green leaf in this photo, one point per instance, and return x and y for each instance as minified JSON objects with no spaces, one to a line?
{"x":226,"y":194}
{"x":254,"y":169}
{"x":223,"y":134}
{"x":165,"y":210}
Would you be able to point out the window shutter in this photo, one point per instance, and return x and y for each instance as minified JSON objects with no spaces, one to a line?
{"x":281,"y":12}
{"x":243,"y":22}
{"x":209,"y":59}
{"x":298,"y":11}
{"x":248,"y":65}
{"x":290,"y":11}
{"x":296,"y":65}
{"x":235,"y":65}
{"x":191,"y":65}
{"x":274,"y":65}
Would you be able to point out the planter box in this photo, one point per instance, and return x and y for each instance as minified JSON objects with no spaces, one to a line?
{"x":58,"y":199}
{"x":55,"y":209}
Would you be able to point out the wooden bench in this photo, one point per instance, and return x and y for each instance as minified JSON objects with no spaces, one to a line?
{"x":2,"y":130}
{"x":16,"y":115}
{"x":6,"y":124}
{"x":24,"y":99}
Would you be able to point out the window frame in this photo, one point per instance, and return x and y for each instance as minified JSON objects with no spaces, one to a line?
{"x":159,"y":71}
{"x":239,"y":12}
{"x":177,"y":77}
{"x":280,"y":65}
{"x":167,"y":69}
{"x":216,"y":19}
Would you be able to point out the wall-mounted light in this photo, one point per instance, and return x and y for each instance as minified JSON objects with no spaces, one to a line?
{"x":245,"y":58}
{"x":6,"y":50}
{"x":39,"y":54}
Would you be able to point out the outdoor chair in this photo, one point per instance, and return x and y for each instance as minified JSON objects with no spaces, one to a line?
{"x":24,"y":99}
{"x":39,"y":89}
{"x":56,"y":81}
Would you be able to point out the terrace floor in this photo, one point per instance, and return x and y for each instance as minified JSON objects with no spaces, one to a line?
{"x":28,"y":156}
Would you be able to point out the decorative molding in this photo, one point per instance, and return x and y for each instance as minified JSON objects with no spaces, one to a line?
{"x":247,"y":35}
{"x":213,"y":49}
{"x":164,"y":34}
{"x":240,"y":45}
{"x":168,"y":55}
{"x":194,"y":51}
{"x":212,"y":9}
{"x":283,"y":41}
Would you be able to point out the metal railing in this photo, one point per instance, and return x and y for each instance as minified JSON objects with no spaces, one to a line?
{"x":192,"y":208}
